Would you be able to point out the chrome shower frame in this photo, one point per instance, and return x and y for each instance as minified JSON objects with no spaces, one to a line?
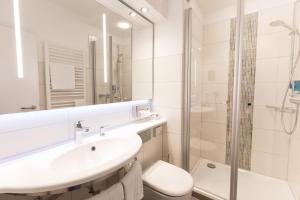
{"x":237,"y":100}
{"x":186,"y":90}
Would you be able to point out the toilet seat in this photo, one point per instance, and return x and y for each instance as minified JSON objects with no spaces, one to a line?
{"x":168,"y":179}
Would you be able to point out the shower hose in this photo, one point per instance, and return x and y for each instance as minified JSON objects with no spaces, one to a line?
{"x":295,"y":122}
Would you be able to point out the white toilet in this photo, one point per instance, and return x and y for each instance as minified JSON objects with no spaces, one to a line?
{"x":163,"y":181}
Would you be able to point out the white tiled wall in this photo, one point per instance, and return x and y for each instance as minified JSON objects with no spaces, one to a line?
{"x":168,"y":75}
{"x":167,"y":100}
{"x":269,"y":143}
{"x":142,"y":62}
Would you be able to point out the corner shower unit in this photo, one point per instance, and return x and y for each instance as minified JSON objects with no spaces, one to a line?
{"x":240,"y":133}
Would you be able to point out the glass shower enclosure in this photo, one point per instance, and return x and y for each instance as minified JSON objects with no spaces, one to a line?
{"x":240,"y":134}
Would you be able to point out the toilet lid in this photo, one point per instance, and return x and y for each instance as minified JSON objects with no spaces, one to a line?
{"x":168,"y":179}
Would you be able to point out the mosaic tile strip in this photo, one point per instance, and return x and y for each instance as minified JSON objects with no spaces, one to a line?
{"x":247,"y":90}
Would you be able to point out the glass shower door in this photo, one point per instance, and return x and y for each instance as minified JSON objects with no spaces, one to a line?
{"x":210,"y":42}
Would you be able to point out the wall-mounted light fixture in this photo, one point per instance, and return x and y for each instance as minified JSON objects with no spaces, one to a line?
{"x":18,"y":37}
{"x":104,"y":35}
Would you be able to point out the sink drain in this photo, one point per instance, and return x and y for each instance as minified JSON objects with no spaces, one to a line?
{"x":211,"y":165}
{"x":93,"y":148}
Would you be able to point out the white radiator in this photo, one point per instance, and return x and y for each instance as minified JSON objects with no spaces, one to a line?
{"x":65,"y":97}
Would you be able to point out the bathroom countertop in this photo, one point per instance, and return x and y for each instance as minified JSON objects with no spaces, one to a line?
{"x":142,"y":125}
{"x":34,"y":173}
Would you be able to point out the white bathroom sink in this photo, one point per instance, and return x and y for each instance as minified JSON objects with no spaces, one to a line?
{"x":70,"y":164}
{"x":92,"y":155}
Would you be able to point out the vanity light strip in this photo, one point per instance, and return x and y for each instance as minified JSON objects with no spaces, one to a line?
{"x":104,"y":46}
{"x":20,"y":67}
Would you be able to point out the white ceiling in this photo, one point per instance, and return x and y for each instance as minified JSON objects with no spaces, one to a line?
{"x":213,"y":5}
{"x":90,"y":12}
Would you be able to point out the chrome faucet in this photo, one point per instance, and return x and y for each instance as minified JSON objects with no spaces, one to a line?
{"x":102,"y":131}
{"x":79,"y":130}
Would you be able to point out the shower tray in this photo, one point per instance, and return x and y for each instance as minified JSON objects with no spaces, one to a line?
{"x":215,"y":183}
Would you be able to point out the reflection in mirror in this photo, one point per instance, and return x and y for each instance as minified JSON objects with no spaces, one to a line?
{"x":110,"y":61}
{"x":66,"y":53}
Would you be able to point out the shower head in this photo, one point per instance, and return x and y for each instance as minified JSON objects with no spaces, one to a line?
{"x":283,"y":24}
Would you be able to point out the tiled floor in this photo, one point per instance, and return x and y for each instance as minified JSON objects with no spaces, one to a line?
{"x":250,"y":185}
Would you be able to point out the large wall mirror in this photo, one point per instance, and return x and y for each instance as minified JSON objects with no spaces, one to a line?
{"x":67,"y":53}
